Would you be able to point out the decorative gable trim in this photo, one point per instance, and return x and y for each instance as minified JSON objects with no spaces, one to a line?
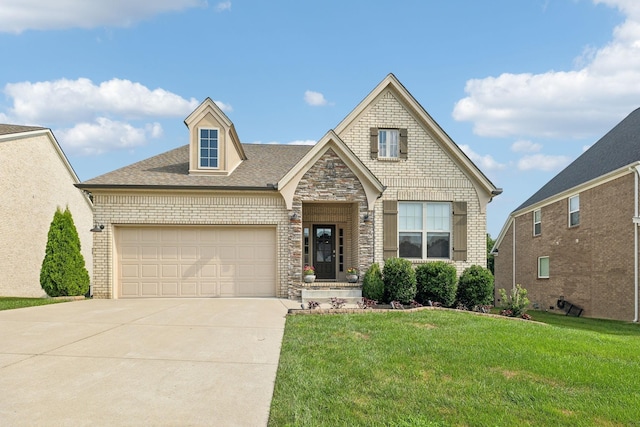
{"x":485,"y":188}
{"x":372,"y":186}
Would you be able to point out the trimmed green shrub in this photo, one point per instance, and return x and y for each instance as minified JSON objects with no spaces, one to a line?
{"x":372,"y":284}
{"x":63,"y":271}
{"x":475,"y":287}
{"x":515,"y":304}
{"x":436,"y":281}
{"x":399,"y":280}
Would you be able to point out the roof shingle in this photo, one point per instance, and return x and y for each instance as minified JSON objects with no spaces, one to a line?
{"x":266,"y":164}
{"x":7,"y":129}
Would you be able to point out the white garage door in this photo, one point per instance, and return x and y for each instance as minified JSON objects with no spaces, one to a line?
{"x":196,"y":261}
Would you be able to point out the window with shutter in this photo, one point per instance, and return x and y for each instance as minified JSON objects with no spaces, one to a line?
{"x":459,"y":231}
{"x":388,"y":143}
{"x":390,"y":229}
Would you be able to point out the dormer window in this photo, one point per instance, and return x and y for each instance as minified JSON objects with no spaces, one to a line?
{"x":209,"y":150}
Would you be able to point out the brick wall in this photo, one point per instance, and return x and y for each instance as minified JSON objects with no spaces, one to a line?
{"x":592,"y":264}
{"x":428,"y":174}
{"x":185,"y":209}
{"x":34,"y":183}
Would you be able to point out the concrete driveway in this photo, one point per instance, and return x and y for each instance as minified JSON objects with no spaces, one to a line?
{"x":177,"y":362}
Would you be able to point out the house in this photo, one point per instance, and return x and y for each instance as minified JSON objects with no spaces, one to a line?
{"x":217,"y":217}
{"x":575,"y":241}
{"x":36,"y":180}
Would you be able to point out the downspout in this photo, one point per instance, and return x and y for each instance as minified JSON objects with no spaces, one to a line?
{"x":513,"y":254}
{"x":636,"y":224}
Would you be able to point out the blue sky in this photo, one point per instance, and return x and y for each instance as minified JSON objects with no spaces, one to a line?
{"x":524,"y":87}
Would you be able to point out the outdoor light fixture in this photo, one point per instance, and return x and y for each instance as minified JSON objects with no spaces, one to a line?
{"x":294,"y":216}
{"x":97,"y":228}
{"x":366,"y":218}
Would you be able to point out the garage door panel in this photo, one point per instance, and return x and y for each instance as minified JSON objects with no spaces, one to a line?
{"x":150,"y":289}
{"x":187,"y":261}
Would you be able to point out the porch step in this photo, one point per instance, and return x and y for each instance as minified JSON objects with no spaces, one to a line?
{"x":323,"y":296}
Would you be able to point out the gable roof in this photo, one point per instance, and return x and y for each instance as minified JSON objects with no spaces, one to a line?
{"x":7,"y":129}
{"x":454,"y":151}
{"x":619,"y":148}
{"x":265,"y":165}
{"x":372,"y":186}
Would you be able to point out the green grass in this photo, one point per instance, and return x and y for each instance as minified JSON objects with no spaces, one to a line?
{"x":448,"y":368}
{"x":10,"y":303}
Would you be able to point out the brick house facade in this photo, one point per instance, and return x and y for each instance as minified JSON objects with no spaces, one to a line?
{"x":247,"y":225}
{"x":36,"y":180}
{"x":588,"y":260}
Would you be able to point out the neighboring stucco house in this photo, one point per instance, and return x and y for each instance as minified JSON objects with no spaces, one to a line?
{"x":576,"y":239}
{"x":217,"y":217}
{"x":36,"y":179}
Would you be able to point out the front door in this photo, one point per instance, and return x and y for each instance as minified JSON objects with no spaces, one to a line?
{"x":324,"y":252}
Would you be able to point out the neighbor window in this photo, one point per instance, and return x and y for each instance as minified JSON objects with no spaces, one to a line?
{"x":388,"y":143}
{"x":537,"y":222}
{"x":424,"y":230}
{"x":574,"y":210}
{"x":209,"y":153}
{"x":543,"y":267}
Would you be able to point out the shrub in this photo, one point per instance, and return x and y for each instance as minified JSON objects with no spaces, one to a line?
{"x":475,"y":287}
{"x":399,"y":280}
{"x":63,"y":271}
{"x":372,"y":284}
{"x":516,"y":303}
{"x":436,"y":281}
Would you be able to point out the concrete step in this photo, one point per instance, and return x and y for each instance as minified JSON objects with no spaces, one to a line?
{"x":323,"y":296}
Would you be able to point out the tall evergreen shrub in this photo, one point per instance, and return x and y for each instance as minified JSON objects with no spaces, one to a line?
{"x":63,"y":271}
{"x":399,"y":280}
{"x":372,"y":284}
{"x":437,"y":282}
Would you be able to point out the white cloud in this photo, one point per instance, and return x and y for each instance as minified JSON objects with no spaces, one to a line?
{"x":543,"y":162}
{"x":303,"y":142}
{"x":525,"y":146}
{"x":574,"y":103}
{"x":486,"y":162}
{"x":20,"y":15}
{"x":64,"y":100}
{"x":315,"y":99}
{"x":223,"y":5}
{"x":223,"y":106}
{"x":105,"y":135}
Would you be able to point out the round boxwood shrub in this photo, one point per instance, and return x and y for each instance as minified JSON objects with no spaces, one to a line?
{"x":63,"y":271}
{"x":399,"y":280}
{"x":475,"y":287}
{"x":436,"y":281}
{"x":372,"y":284}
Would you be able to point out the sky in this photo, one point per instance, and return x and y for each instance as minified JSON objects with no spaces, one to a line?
{"x":523,"y":87}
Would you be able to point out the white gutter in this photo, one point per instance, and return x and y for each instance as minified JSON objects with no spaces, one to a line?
{"x":636,"y":224}
{"x":513,"y":256}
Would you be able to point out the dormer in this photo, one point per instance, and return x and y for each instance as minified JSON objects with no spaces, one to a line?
{"x":214,"y":146}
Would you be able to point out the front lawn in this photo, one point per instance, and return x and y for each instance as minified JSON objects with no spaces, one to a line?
{"x":437,"y":367}
{"x":9,"y":303}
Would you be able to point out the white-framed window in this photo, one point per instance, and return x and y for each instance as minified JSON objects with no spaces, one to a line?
{"x":537,"y":222}
{"x":543,"y":267}
{"x":388,"y":140}
{"x":574,"y":210}
{"x":424,"y":230}
{"x":208,"y":148}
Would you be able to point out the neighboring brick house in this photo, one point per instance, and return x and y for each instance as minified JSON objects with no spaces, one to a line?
{"x":36,"y":179}
{"x":220,"y":218}
{"x":576,"y":238}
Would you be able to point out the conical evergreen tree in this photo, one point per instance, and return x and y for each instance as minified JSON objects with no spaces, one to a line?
{"x":63,"y":270}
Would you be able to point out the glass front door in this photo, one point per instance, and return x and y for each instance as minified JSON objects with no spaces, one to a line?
{"x":324,"y":252}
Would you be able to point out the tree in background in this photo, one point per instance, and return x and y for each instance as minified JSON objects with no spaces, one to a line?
{"x":63,"y":271}
{"x":490,"y":258}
